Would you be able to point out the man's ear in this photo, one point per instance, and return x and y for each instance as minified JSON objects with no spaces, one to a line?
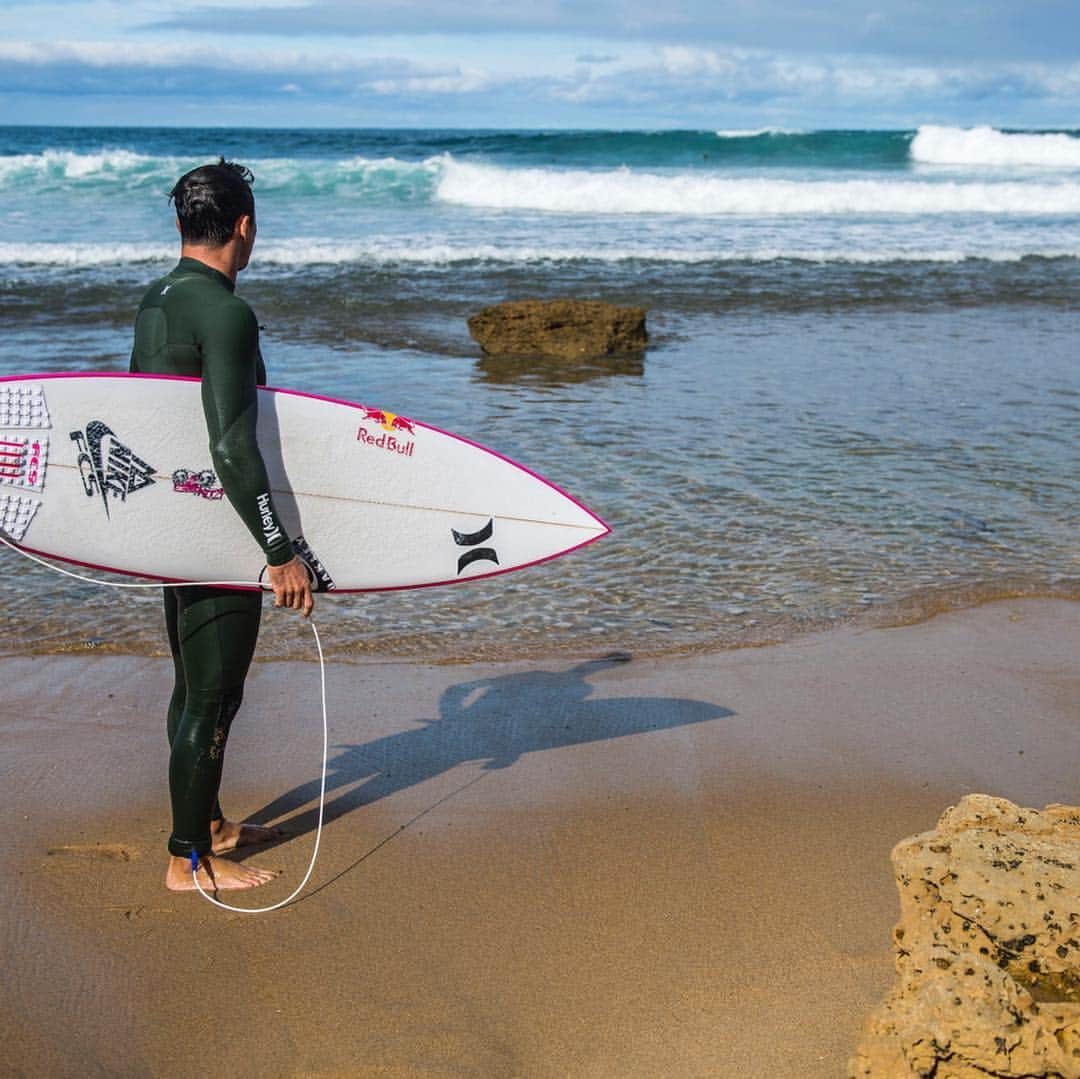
{"x":242,"y":228}
{"x":178,"y":229}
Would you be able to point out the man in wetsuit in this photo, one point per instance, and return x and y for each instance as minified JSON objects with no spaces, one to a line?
{"x":192,"y":323}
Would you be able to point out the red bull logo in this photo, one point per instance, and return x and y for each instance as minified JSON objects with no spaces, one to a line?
{"x":388,"y":421}
{"x":394,"y":427}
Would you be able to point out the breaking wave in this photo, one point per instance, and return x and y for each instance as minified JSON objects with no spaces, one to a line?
{"x":367,"y":177}
{"x":985,"y":146}
{"x":69,"y":165}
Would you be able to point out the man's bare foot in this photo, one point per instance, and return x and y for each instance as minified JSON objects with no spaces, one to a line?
{"x":228,"y":835}
{"x":215,"y":874}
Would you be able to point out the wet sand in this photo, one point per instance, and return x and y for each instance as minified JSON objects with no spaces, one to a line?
{"x":614,"y":867}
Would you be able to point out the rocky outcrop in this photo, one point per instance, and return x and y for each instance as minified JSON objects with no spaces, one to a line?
{"x":987,"y":949}
{"x":565,"y":329}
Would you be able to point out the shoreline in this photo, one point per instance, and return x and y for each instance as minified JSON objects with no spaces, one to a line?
{"x":910,"y":610}
{"x":672,"y":865}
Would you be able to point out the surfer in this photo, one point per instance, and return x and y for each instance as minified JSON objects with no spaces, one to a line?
{"x":191,"y":322}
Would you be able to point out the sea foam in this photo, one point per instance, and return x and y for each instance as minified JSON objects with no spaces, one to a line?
{"x":986,"y":146}
{"x":74,"y":255}
{"x":622,"y":191}
{"x":300,"y":252}
{"x":69,"y":165}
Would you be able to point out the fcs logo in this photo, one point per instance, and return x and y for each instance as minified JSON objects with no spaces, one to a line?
{"x":107,"y":467}
{"x":35,"y":464}
{"x":389,"y":421}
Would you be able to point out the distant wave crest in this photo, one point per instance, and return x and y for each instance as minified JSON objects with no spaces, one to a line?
{"x":754,"y":132}
{"x":985,"y":146}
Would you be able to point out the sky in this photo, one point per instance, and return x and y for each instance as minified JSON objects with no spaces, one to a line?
{"x":727,"y":64}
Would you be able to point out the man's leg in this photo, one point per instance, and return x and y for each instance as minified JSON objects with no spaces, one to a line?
{"x":213,"y":632}
{"x":179,"y":693}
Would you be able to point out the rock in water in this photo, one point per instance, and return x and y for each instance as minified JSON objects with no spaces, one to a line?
{"x":988,"y":949}
{"x":565,"y":329}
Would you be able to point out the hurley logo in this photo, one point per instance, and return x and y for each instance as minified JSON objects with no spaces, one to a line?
{"x":109,"y":468}
{"x":266,"y":516}
{"x":473,"y":540}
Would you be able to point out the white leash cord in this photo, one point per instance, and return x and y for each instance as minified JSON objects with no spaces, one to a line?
{"x":318,"y":829}
{"x":322,"y":688}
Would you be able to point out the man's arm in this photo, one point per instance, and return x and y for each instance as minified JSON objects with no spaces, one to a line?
{"x":230,"y":403}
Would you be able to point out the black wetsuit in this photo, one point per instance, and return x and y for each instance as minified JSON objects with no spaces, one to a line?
{"x":191,"y":323}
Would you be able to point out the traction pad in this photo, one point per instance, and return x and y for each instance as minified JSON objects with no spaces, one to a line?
{"x":23,"y":455}
{"x":16,"y":513}
{"x":23,"y":406}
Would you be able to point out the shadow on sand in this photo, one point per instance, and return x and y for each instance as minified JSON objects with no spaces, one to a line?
{"x":492,"y":720}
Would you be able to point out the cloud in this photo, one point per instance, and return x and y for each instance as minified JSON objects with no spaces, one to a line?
{"x":673,"y":84}
{"x":172,"y":70}
{"x":684,"y":77}
{"x":927,"y":29}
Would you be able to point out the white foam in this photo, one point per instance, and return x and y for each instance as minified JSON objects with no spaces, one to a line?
{"x":754,"y":132}
{"x":988,"y":147}
{"x":622,"y":191}
{"x":69,"y":165}
{"x":303,"y":252}
{"x":83,"y":254}
{"x":314,"y":252}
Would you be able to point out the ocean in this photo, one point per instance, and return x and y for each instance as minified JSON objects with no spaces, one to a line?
{"x":859,"y":402}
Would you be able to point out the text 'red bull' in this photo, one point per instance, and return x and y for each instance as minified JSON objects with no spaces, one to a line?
{"x":392,"y":425}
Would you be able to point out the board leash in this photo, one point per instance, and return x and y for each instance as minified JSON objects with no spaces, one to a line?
{"x":322,"y":690}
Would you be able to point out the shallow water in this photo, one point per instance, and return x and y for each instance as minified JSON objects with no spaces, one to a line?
{"x":874,"y":430}
{"x":761,"y":474}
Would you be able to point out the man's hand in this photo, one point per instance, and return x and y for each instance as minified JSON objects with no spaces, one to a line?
{"x":291,"y":586}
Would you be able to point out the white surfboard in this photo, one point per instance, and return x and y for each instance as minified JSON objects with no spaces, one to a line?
{"x":113,"y":471}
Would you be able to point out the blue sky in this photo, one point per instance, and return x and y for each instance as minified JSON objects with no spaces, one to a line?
{"x":595,"y":63}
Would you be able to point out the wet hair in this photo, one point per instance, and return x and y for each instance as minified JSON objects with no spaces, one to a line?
{"x":210,"y":200}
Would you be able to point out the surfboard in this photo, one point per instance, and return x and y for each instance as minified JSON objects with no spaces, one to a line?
{"x":113,"y":471}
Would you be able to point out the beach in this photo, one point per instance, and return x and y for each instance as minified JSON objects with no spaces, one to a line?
{"x":609,"y":865}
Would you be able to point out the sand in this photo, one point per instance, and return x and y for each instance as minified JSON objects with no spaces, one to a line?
{"x":653,"y":867}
